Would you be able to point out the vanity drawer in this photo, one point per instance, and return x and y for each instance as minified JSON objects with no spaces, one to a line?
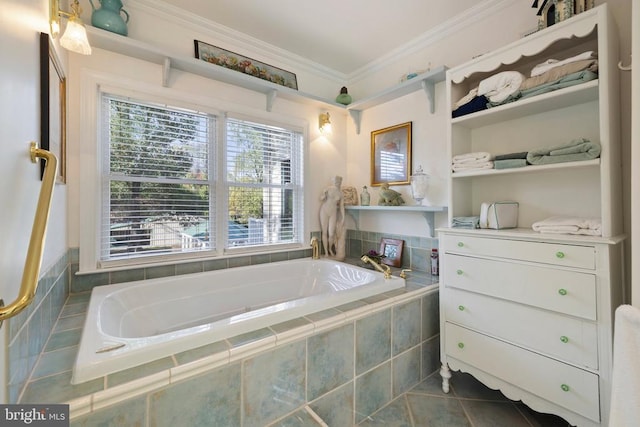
{"x":546,"y":253}
{"x":567,"y":292}
{"x":567,"y":338}
{"x":562,"y":384}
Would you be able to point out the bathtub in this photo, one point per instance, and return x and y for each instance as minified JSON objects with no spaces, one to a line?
{"x":133,"y":323}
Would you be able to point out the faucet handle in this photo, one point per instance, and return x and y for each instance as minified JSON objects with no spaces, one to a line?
{"x":403,"y":273}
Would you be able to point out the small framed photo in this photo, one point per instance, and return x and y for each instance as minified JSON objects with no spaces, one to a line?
{"x":392,"y":251}
{"x":391,"y":155}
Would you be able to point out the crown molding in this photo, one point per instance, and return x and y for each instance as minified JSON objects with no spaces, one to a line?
{"x":226,"y":35}
{"x":229,"y":36}
{"x":475,"y":14}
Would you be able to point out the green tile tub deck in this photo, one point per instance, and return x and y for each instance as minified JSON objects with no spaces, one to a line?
{"x":292,"y":356}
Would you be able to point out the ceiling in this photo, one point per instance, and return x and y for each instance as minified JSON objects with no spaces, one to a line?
{"x":343,"y":35}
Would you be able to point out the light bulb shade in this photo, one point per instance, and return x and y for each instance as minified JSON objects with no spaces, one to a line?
{"x":75,"y":37}
{"x":324,"y":123}
{"x":419,"y":185}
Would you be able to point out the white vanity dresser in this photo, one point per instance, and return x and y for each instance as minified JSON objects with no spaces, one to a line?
{"x":525,"y":312}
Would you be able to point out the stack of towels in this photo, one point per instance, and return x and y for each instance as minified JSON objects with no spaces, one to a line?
{"x":472,"y":161}
{"x":569,"y":225}
{"x":508,"y":86}
{"x":576,"y":150}
{"x":469,"y":222}
{"x":511,"y":160}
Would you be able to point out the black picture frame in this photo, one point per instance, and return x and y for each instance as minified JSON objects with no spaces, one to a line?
{"x":53,"y":107}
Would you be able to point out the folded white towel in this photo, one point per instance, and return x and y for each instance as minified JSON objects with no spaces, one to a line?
{"x":552,"y":63}
{"x":477,"y":157}
{"x":625,"y":381}
{"x":465,"y":99}
{"x":460,"y":167}
{"x":569,"y":225}
{"x":499,"y":86}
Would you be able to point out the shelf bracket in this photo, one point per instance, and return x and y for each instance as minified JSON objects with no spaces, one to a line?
{"x":271,"y":98}
{"x":166,"y":71}
{"x":356,"y":115}
{"x":429,"y":88}
{"x":430,"y":218}
{"x":355,"y":216}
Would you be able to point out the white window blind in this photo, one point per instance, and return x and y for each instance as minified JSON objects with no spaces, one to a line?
{"x":264,"y":184}
{"x":158,"y":182}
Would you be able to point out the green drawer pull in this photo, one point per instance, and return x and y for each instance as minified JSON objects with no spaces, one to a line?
{"x":459,"y":272}
{"x":460,"y":345}
{"x":562,"y":292}
{"x":564,"y":387}
{"x":564,"y":339}
{"x":461,"y":307}
{"x":559,"y":254}
{"x":460,"y":244}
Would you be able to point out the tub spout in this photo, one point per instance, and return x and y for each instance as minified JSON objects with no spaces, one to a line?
{"x":382,"y":268}
{"x":315,"y":248}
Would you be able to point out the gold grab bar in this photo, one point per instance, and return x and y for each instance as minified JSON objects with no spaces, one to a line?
{"x":38,"y":232}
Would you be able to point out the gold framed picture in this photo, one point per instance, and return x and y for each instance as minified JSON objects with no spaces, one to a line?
{"x":391,"y":155}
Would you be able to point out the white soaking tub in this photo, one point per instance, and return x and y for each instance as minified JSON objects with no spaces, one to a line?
{"x":133,"y":323}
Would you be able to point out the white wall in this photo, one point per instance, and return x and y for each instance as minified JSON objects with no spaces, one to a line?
{"x":21,"y":22}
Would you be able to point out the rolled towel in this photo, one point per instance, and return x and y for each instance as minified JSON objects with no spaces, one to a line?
{"x":478,"y":103}
{"x":577,"y":150}
{"x":476,"y":157}
{"x":465,"y":99}
{"x":553,"y":63}
{"x":509,"y":163}
{"x":499,"y":86}
{"x":569,"y":225}
{"x":559,"y":72}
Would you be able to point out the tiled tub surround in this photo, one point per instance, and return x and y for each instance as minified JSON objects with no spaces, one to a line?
{"x":30,"y":329}
{"x":415,"y":254}
{"x":364,"y":353}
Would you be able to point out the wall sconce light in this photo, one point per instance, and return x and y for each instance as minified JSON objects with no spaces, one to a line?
{"x":75,"y":35}
{"x":324,"y":123}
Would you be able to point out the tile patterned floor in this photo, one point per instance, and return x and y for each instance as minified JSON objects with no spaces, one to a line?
{"x":468,"y":404}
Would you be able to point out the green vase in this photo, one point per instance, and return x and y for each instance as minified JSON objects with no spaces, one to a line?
{"x":344,"y":98}
{"x":108,"y":16}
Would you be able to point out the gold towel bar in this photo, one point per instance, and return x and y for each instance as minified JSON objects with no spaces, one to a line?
{"x":38,"y":232}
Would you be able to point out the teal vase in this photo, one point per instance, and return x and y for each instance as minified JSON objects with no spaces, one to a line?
{"x":108,"y":16}
{"x":344,"y":98}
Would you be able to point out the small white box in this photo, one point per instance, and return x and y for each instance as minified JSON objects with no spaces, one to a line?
{"x":498,"y":215}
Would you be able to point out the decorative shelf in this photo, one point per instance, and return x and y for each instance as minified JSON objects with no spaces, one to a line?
{"x":426,"y":81}
{"x":137,"y":49}
{"x":427,"y":211}
{"x":134,"y":48}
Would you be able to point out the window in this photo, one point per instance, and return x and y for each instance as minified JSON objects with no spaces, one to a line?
{"x":161,"y":186}
{"x":263,"y":178}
